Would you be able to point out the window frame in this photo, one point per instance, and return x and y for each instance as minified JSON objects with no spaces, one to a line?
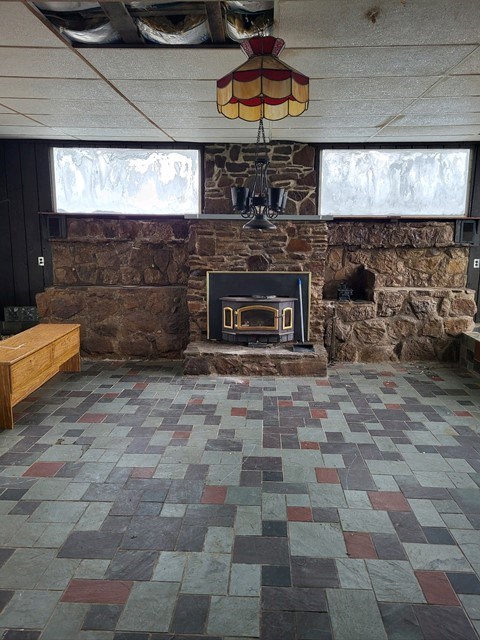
{"x":89,"y":144}
{"x":472,"y":199}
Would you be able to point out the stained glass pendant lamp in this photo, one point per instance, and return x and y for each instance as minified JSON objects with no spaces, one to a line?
{"x":261,"y":88}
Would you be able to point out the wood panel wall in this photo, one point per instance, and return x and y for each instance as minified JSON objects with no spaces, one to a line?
{"x":24,"y":191}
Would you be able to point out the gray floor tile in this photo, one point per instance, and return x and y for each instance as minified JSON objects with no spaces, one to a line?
{"x":354,"y":615}
{"x":150,"y":607}
{"x":235,"y":616}
{"x":394,"y":581}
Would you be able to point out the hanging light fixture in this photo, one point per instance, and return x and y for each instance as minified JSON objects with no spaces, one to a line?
{"x":263,"y":86}
{"x":259,"y":202}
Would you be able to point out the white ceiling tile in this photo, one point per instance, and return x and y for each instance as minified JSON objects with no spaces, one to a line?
{"x":164,"y":64}
{"x":285,"y":132}
{"x":448,"y":119}
{"x":364,"y":88}
{"x":217,"y":122}
{"x":88,"y":121}
{"x":45,"y":106}
{"x":167,"y":91}
{"x":330,"y":23}
{"x":346,"y":108}
{"x":308,"y":122}
{"x":28,"y":132}
{"x":182,"y":109}
{"x":4,"y":109}
{"x":456,"y":86}
{"x":144,"y":133}
{"x":375,"y":61}
{"x":17,"y":120}
{"x":19,"y":27}
{"x":42,"y":63}
{"x":445,"y":105}
{"x":405,"y":132}
{"x":211,"y":135}
{"x":45,"y":88}
{"x":471,"y":65}
{"x":427,"y":139}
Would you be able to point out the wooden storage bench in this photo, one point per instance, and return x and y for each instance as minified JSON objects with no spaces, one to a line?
{"x":32,"y":357}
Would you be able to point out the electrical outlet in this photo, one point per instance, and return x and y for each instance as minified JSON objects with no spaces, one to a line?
{"x":476,"y":263}
{"x":41,"y":261}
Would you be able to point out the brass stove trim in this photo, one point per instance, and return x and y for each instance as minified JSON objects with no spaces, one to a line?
{"x":272,"y":310}
{"x":284,"y":313}
{"x":228,"y":325}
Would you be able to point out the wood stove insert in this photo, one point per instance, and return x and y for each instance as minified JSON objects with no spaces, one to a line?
{"x":257,"y":319}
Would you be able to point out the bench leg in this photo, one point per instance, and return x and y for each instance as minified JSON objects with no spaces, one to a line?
{"x":6,"y":411}
{"x":73,"y":364}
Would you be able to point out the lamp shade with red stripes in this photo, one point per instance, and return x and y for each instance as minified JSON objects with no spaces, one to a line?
{"x":263,"y":86}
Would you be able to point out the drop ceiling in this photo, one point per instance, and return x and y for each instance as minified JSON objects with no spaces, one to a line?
{"x":380,"y":71}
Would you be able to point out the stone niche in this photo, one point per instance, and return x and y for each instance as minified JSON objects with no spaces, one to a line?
{"x":419,"y":305}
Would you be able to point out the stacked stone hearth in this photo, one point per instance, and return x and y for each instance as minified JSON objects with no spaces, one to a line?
{"x":138,"y":287}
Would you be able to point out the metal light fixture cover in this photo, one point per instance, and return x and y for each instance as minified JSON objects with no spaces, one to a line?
{"x":262,"y":87}
{"x":259,"y":202}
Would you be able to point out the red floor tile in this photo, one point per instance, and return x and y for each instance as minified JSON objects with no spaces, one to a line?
{"x":214,"y":495}
{"x":181,"y":434}
{"x":390,"y":384}
{"x":393,"y":406}
{"x":238,"y":411}
{"x":309,"y":445}
{"x":92,"y":417}
{"x":299,"y":514}
{"x":97,"y":591}
{"x":359,"y":545}
{"x":195,"y":401}
{"x":318,"y":413}
{"x":388,"y":501}
{"x":140,"y":385}
{"x":328,"y":476}
{"x":109,"y":396}
{"x":463,"y":414}
{"x":142,"y":472}
{"x":285,"y":403}
{"x":322,"y":383}
{"x":44,"y":469}
{"x":437,"y":588}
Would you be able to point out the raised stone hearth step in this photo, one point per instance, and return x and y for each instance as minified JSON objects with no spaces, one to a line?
{"x":216,"y":358}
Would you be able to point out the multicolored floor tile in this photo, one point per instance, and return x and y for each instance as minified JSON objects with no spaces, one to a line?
{"x":140,"y":504}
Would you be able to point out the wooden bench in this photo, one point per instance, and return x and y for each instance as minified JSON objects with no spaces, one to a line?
{"x":32,"y":357}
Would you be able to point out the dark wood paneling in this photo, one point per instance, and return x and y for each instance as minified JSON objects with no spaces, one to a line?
{"x":7,"y":289}
{"x":32,"y":219}
{"x":13,"y":172}
{"x":45,"y":203}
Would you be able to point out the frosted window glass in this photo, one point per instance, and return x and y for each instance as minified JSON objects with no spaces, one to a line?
{"x":430,"y":182}
{"x":133,"y":181}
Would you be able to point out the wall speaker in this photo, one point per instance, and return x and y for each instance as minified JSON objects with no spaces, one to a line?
{"x":467,"y":232}
{"x":55,"y":226}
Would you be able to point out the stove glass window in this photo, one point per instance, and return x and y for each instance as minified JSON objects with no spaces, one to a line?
{"x":257,"y":317}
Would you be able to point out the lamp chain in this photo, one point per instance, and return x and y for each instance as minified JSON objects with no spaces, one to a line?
{"x":261,"y":139}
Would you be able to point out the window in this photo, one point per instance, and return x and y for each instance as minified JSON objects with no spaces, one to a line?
{"x":131,"y":181}
{"x":395,"y":182}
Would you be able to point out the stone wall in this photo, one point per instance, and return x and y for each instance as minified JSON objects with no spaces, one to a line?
{"x":125,"y":282}
{"x":420,"y":305}
{"x":292,"y":166}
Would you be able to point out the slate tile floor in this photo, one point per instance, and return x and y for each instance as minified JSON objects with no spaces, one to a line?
{"x":137,"y":504}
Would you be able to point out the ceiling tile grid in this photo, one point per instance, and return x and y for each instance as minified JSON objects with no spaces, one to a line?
{"x":397,"y":71}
